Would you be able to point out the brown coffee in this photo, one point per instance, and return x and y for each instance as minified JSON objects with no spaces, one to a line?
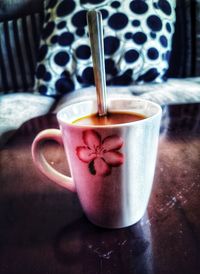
{"x":112,"y":118}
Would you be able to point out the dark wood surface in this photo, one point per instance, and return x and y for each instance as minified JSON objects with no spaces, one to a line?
{"x":43,"y":229}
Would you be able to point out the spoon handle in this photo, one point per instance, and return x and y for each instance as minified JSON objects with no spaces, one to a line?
{"x":94,"y":20}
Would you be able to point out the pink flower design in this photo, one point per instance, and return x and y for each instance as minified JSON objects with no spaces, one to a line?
{"x":101,"y":155}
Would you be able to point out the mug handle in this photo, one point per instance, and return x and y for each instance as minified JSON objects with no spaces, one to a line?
{"x":42,"y":164}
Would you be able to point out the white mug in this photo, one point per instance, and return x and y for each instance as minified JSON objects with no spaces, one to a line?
{"x":112,"y":166}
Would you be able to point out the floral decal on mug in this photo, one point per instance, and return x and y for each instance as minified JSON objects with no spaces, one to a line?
{"x":100,"y":155}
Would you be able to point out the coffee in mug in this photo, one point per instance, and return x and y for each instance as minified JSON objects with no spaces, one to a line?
{"x":111,"y":118}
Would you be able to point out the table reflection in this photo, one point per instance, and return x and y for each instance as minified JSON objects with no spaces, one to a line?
{"x":84,"y":247}
{"x":179,"y":119}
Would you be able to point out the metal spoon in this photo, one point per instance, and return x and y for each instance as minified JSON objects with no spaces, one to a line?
{"x":94,"y":20}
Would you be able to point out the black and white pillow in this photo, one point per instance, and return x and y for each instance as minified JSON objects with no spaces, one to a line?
{"x":137,"y":41}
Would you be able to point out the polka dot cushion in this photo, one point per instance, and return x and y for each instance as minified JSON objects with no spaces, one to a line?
{"x":137,"y":41}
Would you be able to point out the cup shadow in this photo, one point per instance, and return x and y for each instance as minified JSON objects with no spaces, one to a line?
{"x":86,"y":247}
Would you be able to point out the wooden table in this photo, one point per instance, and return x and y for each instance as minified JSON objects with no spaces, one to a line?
{"x":43,"y":229}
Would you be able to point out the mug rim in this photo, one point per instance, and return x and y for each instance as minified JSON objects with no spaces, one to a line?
{"x":146,"y":119}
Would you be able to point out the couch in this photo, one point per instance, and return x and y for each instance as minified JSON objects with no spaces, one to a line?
{"x":183,"y":83}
